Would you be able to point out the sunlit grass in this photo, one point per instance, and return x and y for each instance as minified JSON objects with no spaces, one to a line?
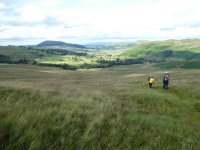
{"x":68,"y":59}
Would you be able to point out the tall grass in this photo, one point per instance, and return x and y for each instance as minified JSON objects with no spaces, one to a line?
{"x":101,"y":109}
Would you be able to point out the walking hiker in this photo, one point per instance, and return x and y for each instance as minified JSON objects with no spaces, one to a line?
{"x":151,"y":81}
{"x":166,"y":80}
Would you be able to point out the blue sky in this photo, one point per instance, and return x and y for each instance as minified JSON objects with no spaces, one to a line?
{"x":83,"y":21}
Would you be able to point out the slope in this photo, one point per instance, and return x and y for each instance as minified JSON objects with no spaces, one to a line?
{"x":49,"y":108}
{"x":171,"y":51}
{"x":57,"y":44}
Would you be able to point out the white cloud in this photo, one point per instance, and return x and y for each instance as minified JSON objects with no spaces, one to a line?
{"x":2,"y":5}
{"x":96,"y":19}
{"x":32,"y":13}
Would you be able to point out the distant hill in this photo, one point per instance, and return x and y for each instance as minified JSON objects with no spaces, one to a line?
{"x":15,"y":52}
{"x":186,"y":49}
{"x":148,"y":47}
{"x":169,"y":54}
{"x":110,"y":45}
{"x":59,"y":44}
{"x":29,"y":55}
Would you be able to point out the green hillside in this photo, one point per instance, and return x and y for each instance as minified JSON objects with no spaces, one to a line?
{"x":30,"y":55}
{"x":141,"y":48}
{"x":168,"y":54}
{"x":113,"y":108}
{"x":14,"y":52}
{"x":68,"y":58}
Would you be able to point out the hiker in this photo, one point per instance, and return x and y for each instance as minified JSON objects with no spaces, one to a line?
{"x":151,"y":81}
{"x":166,"y":80}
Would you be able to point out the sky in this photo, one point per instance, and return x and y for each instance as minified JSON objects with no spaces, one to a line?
{"x":27,"y":22}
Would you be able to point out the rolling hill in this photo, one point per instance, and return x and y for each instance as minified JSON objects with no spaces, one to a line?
{"x":143,"y":48}
{"x":32,"y":55}
{"x":58,"y":44}
{"x":170,"y":53}
{"x":15,"y":54}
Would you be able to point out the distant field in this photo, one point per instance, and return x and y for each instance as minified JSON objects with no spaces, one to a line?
{"x":112,"y":108}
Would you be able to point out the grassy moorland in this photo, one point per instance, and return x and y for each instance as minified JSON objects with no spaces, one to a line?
{"x":112,"y":108}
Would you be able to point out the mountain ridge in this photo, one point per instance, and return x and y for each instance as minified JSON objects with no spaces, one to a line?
{"x":51,"y":43}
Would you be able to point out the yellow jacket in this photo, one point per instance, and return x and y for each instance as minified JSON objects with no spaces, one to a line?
{"x":151,"y":80}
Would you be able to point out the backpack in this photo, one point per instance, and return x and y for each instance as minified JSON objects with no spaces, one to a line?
{"x":166,"y":77}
